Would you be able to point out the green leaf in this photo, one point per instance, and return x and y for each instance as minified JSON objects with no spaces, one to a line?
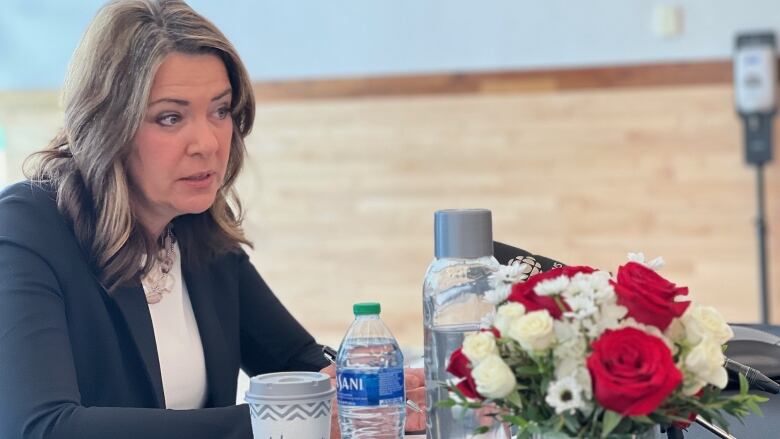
{"x":514,"y":399}
{"x":611,"y":420}
{"x":751,"y":404}
{"x":643,"y":420}
{"x":527,"y":370}
{"x":743,"y":385}
{"x":447,"y":403}
{"x":572,"y":424}
{"x":515,"y":420}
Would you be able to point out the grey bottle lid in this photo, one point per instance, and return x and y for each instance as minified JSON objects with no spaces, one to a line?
{"x":463,"y":233}
{"x":289,"y":385}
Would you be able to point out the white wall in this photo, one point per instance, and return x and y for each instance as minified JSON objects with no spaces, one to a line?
{"x":317,"y":38}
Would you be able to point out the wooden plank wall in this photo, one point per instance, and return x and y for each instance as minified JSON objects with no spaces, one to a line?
{"x":340,"y":191}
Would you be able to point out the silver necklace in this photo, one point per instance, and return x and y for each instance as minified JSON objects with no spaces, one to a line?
{"x":159,"y":280}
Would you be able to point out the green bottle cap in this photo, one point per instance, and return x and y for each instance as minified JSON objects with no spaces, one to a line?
{"x":366,"y":309}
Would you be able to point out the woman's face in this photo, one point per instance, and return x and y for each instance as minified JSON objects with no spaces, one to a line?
{"x":180,"y":152}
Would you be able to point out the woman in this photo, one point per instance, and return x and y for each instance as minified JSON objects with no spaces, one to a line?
{"x":96,"y":338}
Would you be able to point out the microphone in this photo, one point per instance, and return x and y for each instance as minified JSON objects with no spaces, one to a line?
{"x":507,"y":255}
{"x":755,"y":378}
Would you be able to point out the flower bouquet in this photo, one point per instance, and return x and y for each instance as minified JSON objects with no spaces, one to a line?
{"x":574,"y":352}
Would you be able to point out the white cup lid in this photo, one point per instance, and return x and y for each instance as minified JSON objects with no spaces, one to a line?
{"x":289,"y":385}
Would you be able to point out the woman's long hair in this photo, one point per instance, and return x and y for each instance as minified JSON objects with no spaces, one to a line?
{"x":105,"y":98}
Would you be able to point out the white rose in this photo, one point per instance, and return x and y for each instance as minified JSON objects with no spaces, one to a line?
{"x":705,"y":322}
{"x":534,"y":331}
{"x":478,"y":346}
{"x":494,"y":378}
{"x":705,"y":363}
{"x":692,"y":385}
{"x":506,"y":314}
{"x":676,"y":331}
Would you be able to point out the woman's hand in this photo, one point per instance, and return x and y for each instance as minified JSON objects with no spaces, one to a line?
{"x":414,"y":381}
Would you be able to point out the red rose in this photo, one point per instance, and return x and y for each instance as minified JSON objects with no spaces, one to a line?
{"x":469,"y":388}
{"x":683,"y":425}
{"x":523,"y":292}
{"x":493,"y":329}
{"x":461,"y":367}
{"x":650,"y":299}
{"x":632,"y":371}
{"x":459,"y":364}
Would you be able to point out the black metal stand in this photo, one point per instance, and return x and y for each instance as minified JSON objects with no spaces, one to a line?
{"x":676,"y":433}
{"x":761,"y":231}
{"x":672,"y":433}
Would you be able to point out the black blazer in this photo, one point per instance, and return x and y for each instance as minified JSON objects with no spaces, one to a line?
{"x":76,"y":362}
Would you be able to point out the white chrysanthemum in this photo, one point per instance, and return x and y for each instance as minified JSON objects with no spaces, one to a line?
{"x":570,"y":356}
{"x":498,"y":294}
{"x":608,"y":318}
{"x":579,"y":285}
{"x":705,"y":321}
{"x":534,"y":331}
{"x":552,"y":287}
{"x":705,"y":362}
{"x":564,"y":395}
{"x":566,"y":330}
{"x":488,"y":320}
{"x":582,"y":306}
{"x":602,"y":290}
{"x":506,"y":314}
{"x":566,"y":366}
{"x":585,"y":381}
{"x":494,"y":378}
{"x":656,"y":264}
{"x":502,"y":280}
{"x":509,"y":274}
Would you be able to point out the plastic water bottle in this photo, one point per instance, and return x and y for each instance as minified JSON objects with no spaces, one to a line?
{"x":453,"y":306}
{"x":370,"y":379}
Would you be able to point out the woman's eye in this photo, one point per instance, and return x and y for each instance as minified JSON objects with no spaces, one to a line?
{"x":223,"y":112}
{"x":168,"y":119}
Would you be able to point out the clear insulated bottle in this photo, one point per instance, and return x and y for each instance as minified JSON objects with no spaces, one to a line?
{"x":453,"y":306}
{"x":370,"y":379}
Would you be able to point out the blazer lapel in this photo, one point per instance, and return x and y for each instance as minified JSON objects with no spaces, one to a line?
{"x":201,"y":288}
{"x":132,"y":303}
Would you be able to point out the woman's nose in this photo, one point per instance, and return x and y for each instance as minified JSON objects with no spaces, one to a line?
{"x":204,"y":140}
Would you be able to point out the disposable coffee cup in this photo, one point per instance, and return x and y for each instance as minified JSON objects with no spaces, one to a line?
{"x":287,"y":405}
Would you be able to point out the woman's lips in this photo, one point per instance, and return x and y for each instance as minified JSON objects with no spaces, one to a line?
{"x":200,"y":180}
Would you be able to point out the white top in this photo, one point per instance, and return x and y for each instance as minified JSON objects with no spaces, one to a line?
{"x":179,"y":348}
